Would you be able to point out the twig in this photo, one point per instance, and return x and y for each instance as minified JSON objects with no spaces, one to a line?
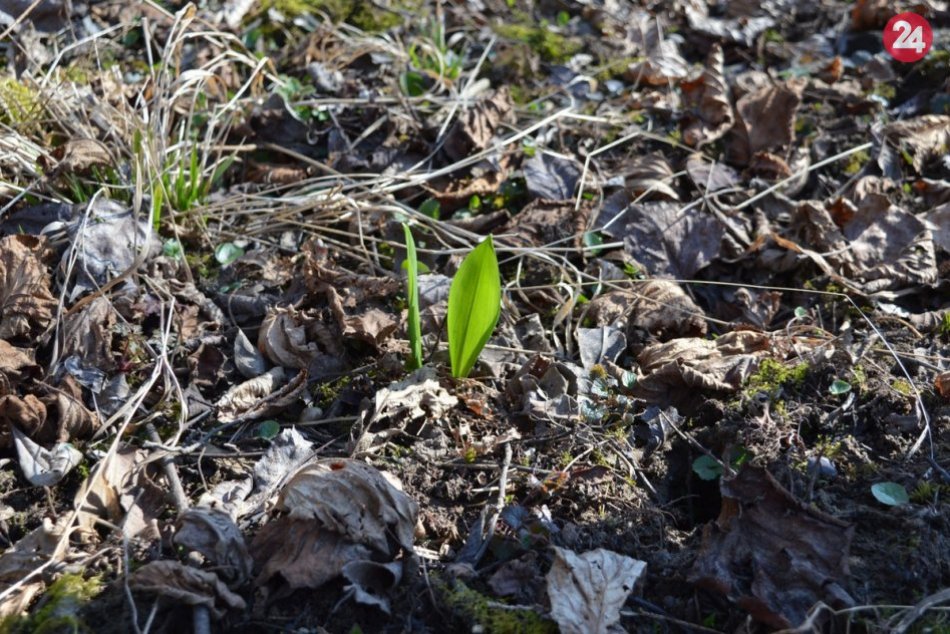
{"x":499,"y":504}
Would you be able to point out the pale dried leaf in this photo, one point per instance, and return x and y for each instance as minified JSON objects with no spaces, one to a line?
{"x":252,"y":398}
{"x":417,"y":396}
{"x":78,"y":155}
{"x":650,"y":176}
{"x":125,"y":490}
{"x":587,"y":591}
{"x":14,"y":362}
{"x":353,"y":499}
{"x":551,"y":177}
{"x":183,"y":584}
{"x":29,"y":552}
{"x":766,"y":121}
{"x":923,"y":137}
{"x":44,"y":467}
{"x":26,"y":303}
{"x":248,"y":359}
{"x":473,"y":131}
{"x":88,"y":334}
{"x":670,"y":241}
{"x":597,"y":344}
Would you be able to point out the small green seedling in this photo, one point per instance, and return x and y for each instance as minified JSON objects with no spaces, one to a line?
{"x":474,"y":307}
{"x":890,"y":493}
{"x":412,"y":295}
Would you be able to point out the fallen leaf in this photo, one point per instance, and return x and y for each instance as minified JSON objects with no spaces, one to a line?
{"x":353,"y":499}
{"x":247,"y":358}
{"x":662,"y":63}
{"x":587,"y":591}
{"x":597,"y":344}
{"x":772,"y":554}
{"x":78,"y":155}
{"x":26,"y":304}
{"x":923,"y":137}
{"x":29,"y":552}
{"x":88,"y":334}
{"x":44,"y":467}
{"x":417,"y":396}
{"x":213,"y":533}
{"x":370,"y":581}
{"x":942,"y":383}
{"x":709,"y":176}
{"x":283,"y":339}
{"x":670,"y":240}
{"x":551,"y":177}
{"x":473,"y":131}
{"x":263,"y":396}
{"x":766,"y":121}
{"x":707,"y":97}
{"x":185,"y":585}
{"x":742,"y":29}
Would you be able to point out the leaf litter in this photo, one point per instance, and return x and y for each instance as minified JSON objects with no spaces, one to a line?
{"x":715,"y":396}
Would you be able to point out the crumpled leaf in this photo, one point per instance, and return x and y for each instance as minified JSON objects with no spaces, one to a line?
{"x":78,"y":155}
{"x":213,"y":533}
{"x":650,"y":177}
{"x":942,"y":384}
{"x":354,"y":500}
{"x":662,"y":63}
{"x":26,"y":304}
{"x":543,"y":222}
{"x":473,"y":131}
{"x":44,"y":467}
{"x":587,"y":591}
{"x":16,"y":362}
{"x":248,"y":359}
{"x":417,"y":396}
{"x":105,"y":239}
{"x":125,"y":491}
{"x":287,"y":452}
{"x":57,"y":417}
{"x":671,"y":242}
{"x":551,"y":177}
{"x":23,"y":557}
{"x":923,"y":137}
{"x":297,"y":553}
{"x":27,"y":413}
{"x":742,"y":29}
{"x":370,"y":582}
{"x":183,"y":584}
{"x":710,"y":105}
{"x":674,"y":372}
{"x":772,"y":554}
{"x":261,"y":396}
{"x":766,"y":121}
{"x":597,"y":344}
{"x":283,"y":339}
{"x":88,"y":335}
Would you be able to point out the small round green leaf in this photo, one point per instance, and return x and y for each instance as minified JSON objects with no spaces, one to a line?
{"x":800,"y":312}
{"x":839,"y":387}
{"x":890,"y":493}
{"x":707,"y":467}
{"x":268,"y":429}
{"x":227,"y":253}
{"x":172,"y":249}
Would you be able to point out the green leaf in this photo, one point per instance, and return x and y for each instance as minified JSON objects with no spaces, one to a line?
{"x":227,"y":253}
{"x":268,"y":429}
{"x":412,"y":293}
{"x":592,"y":240}
{"x":800,"y":312}
{"x":707,"y":467}
{"x":431,"y":208}
{"x":172,"y":249}
{"x":890,"y":493}
{"x":474,"y":307}
{"x":412,"y":83}
{"x":839,"y":387}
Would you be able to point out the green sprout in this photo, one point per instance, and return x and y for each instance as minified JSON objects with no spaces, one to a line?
{"x":474,"y":307}
{"x":412,"y":294}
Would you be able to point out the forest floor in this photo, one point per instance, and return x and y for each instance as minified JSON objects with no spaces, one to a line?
{"x":717,"y":397}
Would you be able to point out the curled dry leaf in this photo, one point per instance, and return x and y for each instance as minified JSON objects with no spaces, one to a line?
{"x":741,"y":29}
{"x":15,"y":363}
{"x":671,"y":241}
{"x":543,"y":222}
{"x":662,"y":62}
{"x":78,"y":155}
{"x":772,"y":554}
{"x":27,"y":413}
{"x":587,"y":591}
{"x":551,"y":177}
{"x":417,"y":396}
{"x":710,"y":106}
{"x":370,"y":581}
{"x":353,"y":499}
{"x":473,"y":131}
{"x":261,"y":396}
{"x":283,"y":339}
{"x":214,"y":534}
{"x":182,"y":584}
{"x":674,"y":372}
{"x":248,"y":359}
{"x":664,"y":310}
{"x":650,"y":177}
{"x":597,"y":344}
{"x":923,"y":137}
{"x":26,"y":304}
{"x":942,"y":383}
{"x":88,"y":335}
{"x":708,"y":176}
{"x":43,"y":467}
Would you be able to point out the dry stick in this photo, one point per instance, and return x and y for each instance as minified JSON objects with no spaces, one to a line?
{"x":918,"y":610}
{"x":499,"y":503}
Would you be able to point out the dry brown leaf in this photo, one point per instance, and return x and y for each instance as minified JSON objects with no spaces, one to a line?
{"x":301,"y":554}
{"x":15,"y":362}
{"x":710,"y":106}
{"x":942,"y":383}
{"x":283,"y":339}
{"x":663,"y":309}
{"x":182,"y":584}
{"x":124,"y":491}
{"x":78,"y":155}
{"x":544,"y":222}
{"x":88,"y":334}
{"x":662,"y":63}
{"x":28,"y":414}
{"x":261,"y":396}
{"x":26,"y":304}
{"x":354,"y":500}
{"x":923,"y":137}
{"x":772,"y":554}
{"x":769,"y":166}
{"x":671,"y":240}
{"x":766,"y":121}
{"x":214,"y":534}
{"x":473,"y":131}
{"x":651,"y":177}
{"x":832,"y":71}
{"x":871,"y":15}
{"x":418,"y":396}
{"x":708,"y":176}
{"x":675,"y":372}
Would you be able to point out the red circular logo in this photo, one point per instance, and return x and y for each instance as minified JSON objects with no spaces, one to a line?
{"x":908,"y":37}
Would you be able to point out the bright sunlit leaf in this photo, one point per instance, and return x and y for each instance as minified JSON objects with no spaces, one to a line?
{"x":474,"y":307}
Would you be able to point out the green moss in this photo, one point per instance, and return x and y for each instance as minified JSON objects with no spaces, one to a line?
{"x":773,"y":374}
{"x":59,"y":608}
{"x":476,"y":610}
{"x":903,"y":386}
{"x":856,"y":162}
{"x":551,"y":46}
{"x":18,"y":103}
{"x":362,"y":14}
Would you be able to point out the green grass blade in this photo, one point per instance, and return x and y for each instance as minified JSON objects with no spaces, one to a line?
{"x":474,"y":307}
{"x":412,"y":293}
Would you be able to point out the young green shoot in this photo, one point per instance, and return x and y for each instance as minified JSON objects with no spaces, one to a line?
{"x":474,"y":307}
{"x":412,"y":296}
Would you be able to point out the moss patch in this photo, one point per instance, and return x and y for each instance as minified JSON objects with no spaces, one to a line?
{"x":476,"y":610}
{"x":773,"y":374}
{"x":59,"y":608}
{"x":363,"y":14}
{"x":551,"y":46}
